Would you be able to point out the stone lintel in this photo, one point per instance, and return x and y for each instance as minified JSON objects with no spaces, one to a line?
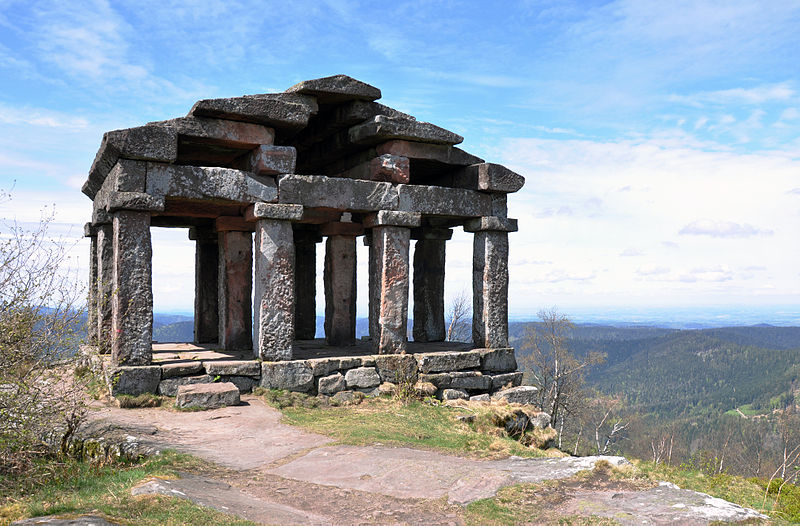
{"x":280,"y":110}
{"x":145,"y":143}
{"x":284,"y":212}
{"x":134,"y":201}
{"x":386,"y":167}
{"x":441,"y":201}
{"x":342,"y":229}
{"x":270,"y":160}
{"x":233,"y":223}
{"x":200,"y":182}
{"x":382,"y":128}
{"x":222,"y":132}
{"x":486,"y":177}
{"x":393,"y":218}
{"x":336,"y":193}
{"x":128,"y":176}
{"x":490,"y":223}
{"x":441,"y":153}
{"x":336,"y":89}
{"x":307,"y":235}
{"x":317,"y":216}
{"x":425,"y":232}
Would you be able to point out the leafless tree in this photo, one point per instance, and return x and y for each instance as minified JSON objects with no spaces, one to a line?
{"x":459,"y":318}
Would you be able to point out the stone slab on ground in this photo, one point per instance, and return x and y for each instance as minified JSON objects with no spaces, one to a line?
{"x":227,"y":499}
{"x":524,"y":394}
{"x":207,"y":396}
{"x":55,"y":520}
{"x":169,"y":386}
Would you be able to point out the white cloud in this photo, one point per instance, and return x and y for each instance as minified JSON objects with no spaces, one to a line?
{"x":756,"y":95}
{"x":652,"y":270}
{"x":41,"y":118}
{"x":631,"y":252}
{"x":708,"y":227}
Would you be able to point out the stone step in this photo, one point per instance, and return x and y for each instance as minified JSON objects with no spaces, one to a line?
{"x":207,"y":396}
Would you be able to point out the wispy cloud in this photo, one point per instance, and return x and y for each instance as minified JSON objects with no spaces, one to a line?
{"x":755,"y":95}
{"x":631,"y":252}
{"x":709,"y":227}
{"x":40,"y":118}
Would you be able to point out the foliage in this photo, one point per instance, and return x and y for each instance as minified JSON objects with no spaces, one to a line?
{"x":142,"y":400}
{"x":40,"y":329}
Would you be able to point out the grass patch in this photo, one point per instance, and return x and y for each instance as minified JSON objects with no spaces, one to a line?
{"x":135,"y":402}
{"x":392,"y":422}
{"x":70,"y":487}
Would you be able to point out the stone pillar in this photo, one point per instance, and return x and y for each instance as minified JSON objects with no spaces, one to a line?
{"x":305,"y":284}
{"x":206,"y":284}
{"x":340,"y":282}
{"x":105,"y":285}
{"x":274,"y":279}
{"x":235,"y":277}
{"x":429,"y":256}
{"x":490,"y":280}
{"x":391,"y":234}
{"x":91,"y":301}
{"x":132,"y":297}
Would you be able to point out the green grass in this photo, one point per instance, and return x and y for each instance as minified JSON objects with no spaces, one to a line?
{"x":74,"y":487}
{"x":416,"y":424}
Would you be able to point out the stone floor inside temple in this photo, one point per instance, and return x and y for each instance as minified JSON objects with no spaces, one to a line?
{"x":164,"y":353}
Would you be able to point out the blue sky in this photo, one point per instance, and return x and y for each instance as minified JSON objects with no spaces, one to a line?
{"x":660,"y":140}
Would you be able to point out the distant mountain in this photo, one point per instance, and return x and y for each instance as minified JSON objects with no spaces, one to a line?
{"x":181,"y":331}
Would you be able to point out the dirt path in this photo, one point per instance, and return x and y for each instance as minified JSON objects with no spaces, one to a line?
{"x":278,"y":474}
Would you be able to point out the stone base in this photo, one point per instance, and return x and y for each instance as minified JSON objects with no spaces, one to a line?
{"x":207,"y":396}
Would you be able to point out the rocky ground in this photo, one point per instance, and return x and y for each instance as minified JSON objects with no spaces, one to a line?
{"x":272,"y":473}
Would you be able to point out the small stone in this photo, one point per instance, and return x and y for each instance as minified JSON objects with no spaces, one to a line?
{"x":134,"y":380}
{"x":387,"y":388}
{"x":134,"y":201}
{"x":454,"y":394}
{"x":331,"y":384}
{"x":207,"y":396}
{"x":233,"y":368}
{"x":362,"y":377}
{"x":467,"y":419}
{"x":54,"y":520}
{"x":292,"y":376}
{"x":425,"y":388}
{"x":524,"y":394}
{"x":169,"y":386}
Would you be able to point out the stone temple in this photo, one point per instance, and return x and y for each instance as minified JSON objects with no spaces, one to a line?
{"x":320,"y":161}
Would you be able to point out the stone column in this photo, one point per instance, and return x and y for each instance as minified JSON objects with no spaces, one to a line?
{"x":340,"y":282}
{"x":490,"y":280}
{"x":429,"y":256}
{"x":91,"y":301}
{"x":132,"y":297}
{"x":305,"y":285}
{"x":105,"y":285}
{"x":274,"y":279}
{"x":206,"y":284}
{"x":391,"y":234}
{"x":235,"y":277}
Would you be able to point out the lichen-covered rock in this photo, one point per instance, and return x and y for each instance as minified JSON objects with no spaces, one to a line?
{"x":207,"y":396}
{"x":500,"y":381}
{"x":362,"y":377}
{"x":183,"y":368}
{"x":448,"y":361}
{"x":524,"y":394}
{"x":134,"y":380}
{"x":233,"y":368}
{"x":387,"y":388}
{"x":396,"y":368}
{"x":474,"y":381}
{"x":331,"y":384}
{"x":292,"y":376}
{"x":498,"y":360}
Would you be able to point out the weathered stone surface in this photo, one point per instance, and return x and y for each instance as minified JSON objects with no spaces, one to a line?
{"x":387,"y":389}
{"x":500,"y":205}
{"x":206,"y":285}
{"x":362,"y":377}
{"x":128,"y":176}
{"x":279,"y":110}
{"x":169,"y":386}
{"x":207,"y":396}
{"x":392,"y":218}
{"x":383,"y":128}
{"x":195,"y":182}
{"x":387,"y":167}
{"x":134,"y":380}
{"x":502,"y":380}
{"x":425,"y":389}
{"x":331,"y":384}
{"x":293,"y":376}
{"x":396,"y":368}
{"x":146,"y":143}
{"x":336,"y":89}
{"x":436,"y":200}
{"x":439,"y":153}
{"x":389,"y":251}
{"x":324,"y":366}
{"x":524,"y":394}
{"x":221,"y":132}
{"x":473,"y":382}
{"x":498,"y":360}
{"x":271,"y":160}
{"x":440,"y":380}
{"x":454,"y":394}
{"x":492,"y":224}
{"x":429,"y":257}
{"x":486,"y":177}
{"x":340,"y":194}
{"x":485,"y":397}
{"x":182,"y":368}
{"x":105,"y":285}
{"x":233,"y":367}
{"x":347,"y":397}
{"x":134,"y":201}
{"x":54,"y":520}
{"x":274,"y":290}
{"x":132,"y":296}
{"x":305,"y":286}
{"x":244,"y":384}
{"x":490,"y":289}
{"x":235,"y":285}
{"x":340,"y":290}
{"x":448,"y":361}
{"x":282,"y":212}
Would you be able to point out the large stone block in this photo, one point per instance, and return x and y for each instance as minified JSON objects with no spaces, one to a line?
{"x":498,"y":360}
{"x":392,"y":218}
{"x":284,"y":111}
{"x":362,"y":377}
{"x":340,"y":194}
{"x":292,"y":376}
{"x":206,"y":285}
{"x":305,"y":286}
{"x":105,"y":285}
{"x":207,"y":396}
{"x":383,"y":128}
{"x":195,"y":182}
{"x":524,"y":394}
{"x":491,"y":224}
{"x":129,"y":176}
{"x":271,"y":160}
{"x":134,"y":201}
{"x":244,"y":384}
{"x":437,"y":200}
{"x":331,"y":384}
{"x":221,"y":132}
{"x":387,"y":167}
{"x":233,"y":368}
{"x":336,"y":89}
{"x":486,"y":177}
{"x":448,"y":361}
{"x":274,"y":290}
{"x":396,"y":368}
{"x":473,"y":382}
{"x":490,"y":289}
{"x":499,"y":381}
{"x":135,"y":380}
{"x":169,"y":386}
{"x":439,"y":153}
{"x":183,"y":368}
